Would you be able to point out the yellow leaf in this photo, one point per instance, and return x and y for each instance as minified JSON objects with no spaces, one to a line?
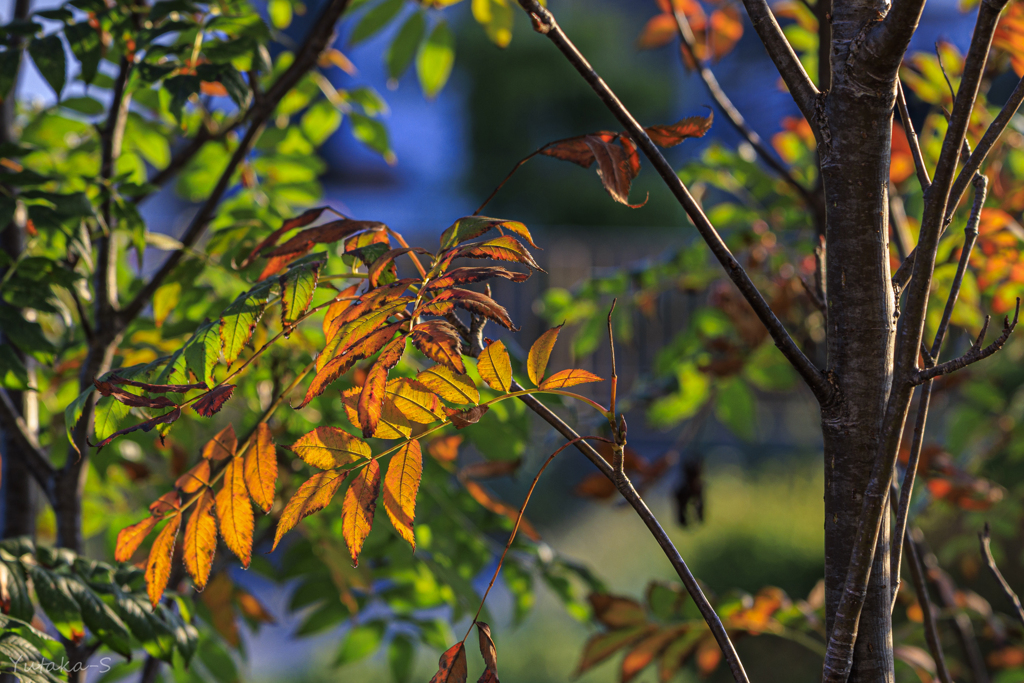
{"x":201,"y":540}
{"x":314,"y":495}
{"x":371,"y":398}
{"x":393,"y":425}
{"x":569,"y":378}
{"x":401,"y":484}
{"x":358,"y":508}
{"x":452,"y":387}
{"x":234,"y":512}
{"x":414,"y":400}
{"x":495,"y":367}
{"x":196,"y":478}
{"x":260,"y":468}
{"x":131,"y":537}
{"x":158,"y":566}
{"x":221,"y":446}
{"x":540,"y":352}
{"x":329,"y":447}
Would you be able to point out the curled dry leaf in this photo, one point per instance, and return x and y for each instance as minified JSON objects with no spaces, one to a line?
{"x":329,"y":447}
{"x":439,"y":341}
{"x":131,"y":537}
{"x":234,"y":512}
{"x":148,"y":425}
{"x":313,"y":496}
{"x":211,"y":403}
{"x":327,"y":233}
{"x":201,"y":540}
{"x":540,"y":352}
{"x":401,"y":485}
{"x":684,"y":129}
{"x":157,"y":388}
{"x":481,"y":304}
{"x":465,"y":276}
{"x":495,"y":367}
{"x":504,"y":248}
{"x":452,"y":667}
{"x":223,"y":445}
{"x":132,"y":400}
{"x":487,"y":649}
{"x":358,"y":507}
{"x":471,"y":227}
{"x":260,"y":468}
{"x":158,"y":566}
{"x":464,"y":418}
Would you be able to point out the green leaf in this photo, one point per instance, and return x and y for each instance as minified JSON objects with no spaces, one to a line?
{"x":57,"y":600}
{"x":109,"y":415}
{"x":401,"y":658}
{"x":373,"y":134}
{"x":435,"y":60}
{"x":10,"y":60}
{"x":85,"y":45}
{"x":735,"y":407}
{"x":13,"y":581}
{"x":297,"y":287}
{"x":73,"y":413}
{"x":181,"y":88}
{"x":403,"y":47}
{"x":240,"y":318}
{"x":48,"y":54}
{"x":689,"y":397}
{"x":320,"y":121}
{"x":101,"y":619}
{"x":375,"y":19}
{"x":280,"y":12}
{"x":27,"y":335}
{"x":327,"y":616}
{"x":218,"y":661}
{"x":165,"y":300}
{"x":13,"y":374}
{"x":84,"y":105}
{"x":361,"y":642}
{"x":203,"y":351}
{"x":155,"y":636}
{"x":497,"y":18}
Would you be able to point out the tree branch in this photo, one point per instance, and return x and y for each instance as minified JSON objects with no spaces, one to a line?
{"x":931,"y":628}
{"x":975,"y":353}
{"x":788,"y":64}
{"x":915,"y":145}
{"x":545,"y":23}
{"x":732,"y":114}
{"x":986,"y":552}
{"x":35,"y":460}
{"x":318,"y":40}
{"x":637,"y":503}
{"x":888,"y":41}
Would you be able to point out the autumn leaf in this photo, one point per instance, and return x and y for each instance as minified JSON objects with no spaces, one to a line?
{"x":617,"y":165}
{"x":489,"y":502}
{"x":131,"y":537}
{"x":148,"y":425}
{"x":463,"y":418}
{"x":414,"y":400}
{"x":234,"y":512}
{"x":211,"y":403}
{"x":260,"y":468}
{"x":540,"y":352}
{"x":401,"y":484}
{"x":641,"y":655}
{"x":393,"y":424}
{"x":495,"y":368}
{"x":299,"y":221}
{"x":158,"y":566}
{"x":487,"y":649}
{"x":481,"y":304}
{"x":674,"y":134}
{"x":168,"y":502}
{"x":504,"y":248}
{"x":322,"y":234}
{"x":603,"y":645}
{"x":439,"y":341}
{"x":156,"y":388}
{"x":341,"y":364}
{"x":660,"y":30}
{"x":615,"y":611}
{"x":469,"y":275}
{"x":132,"y":400}
{"x":569,"y":378}
{"x":201,"y":540}
{"x":297,"y":288}
{"x":371,"y":399}
{"x":336,"y":309}
{"x":358,"y":507}
{"x":195,"y":479}
{"x":378,"y":267}
{"x":221,"y":446}
{"x":451,"y":387}
{"x":328,"y":447}
{"x":445,"y":448}
{"x":313,"y":495}
{"x":452,"y":667}
{"x":471,"y":227}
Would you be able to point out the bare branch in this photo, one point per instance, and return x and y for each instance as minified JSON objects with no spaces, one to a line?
{"x":915,"y":145}
{"x":318,"y":40}
{"x":14,"y":424}
{"x":637,"y":503}
{"x":931,"y":628}
{"x":732,"y":114}
{"x":888,"y":41}
{"x":788,"y":64}
{"x":975,"y":353}
{"x":545,"y":23}
{"x":986,"y":552}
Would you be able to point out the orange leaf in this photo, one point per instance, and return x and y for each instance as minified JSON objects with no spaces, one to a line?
{"x":253,"y":608}
{"x":569,"y":378}
{"x":708,"y":656}
{"x":486,"y":500}
{"x":337,"y":308}
{"x":504,"y":248}
{"x":445,"y":448}
{"x":234,"y":512}
{"x":439,"y":341}
{"x":450,"y":386}
{"x":195,"y":479}
{"x":401,"y":484}
{"x":452,"y":667}
{"x":901,"y":159}
{"x":660,"y":30}
{"x":726,"y":30}
{"x":131,"y":537}
{"x":164,"y":504}
{"x":415,"y":401}
{"x":540,"y":352}
{"x":341,"y":364}
{"x":371,"y":399}
{"x":221,"y":446}
{"x":603,"y":645}
{"x":690,"y":127}
{"x":463,"y":276}
{"x":637,"y":659}
{"x":313,"y":496}
{"x":158,"y":566}
{"x":322,"y":234}
{"x":358,"y":507}
{"x":299,"y":221}
{"x":261,"y":468}
{"x":201,"y":540}
{"x":487,"y":649}
{"x":213,"y":88}
{"x":495,"y":367}
{"x":329,"y":447}
{"x":480,"y":304}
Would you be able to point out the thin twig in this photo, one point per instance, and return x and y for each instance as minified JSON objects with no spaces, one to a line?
{"x":915,"y":145}
{"x":931,"y":627}
{"x":986,"y":552}
{"x":975,"y":354}
{"x":545,"y":24}
{"x":615,"y":375}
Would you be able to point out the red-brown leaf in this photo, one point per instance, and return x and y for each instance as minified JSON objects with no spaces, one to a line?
{"x":339,"y":365}
{"x":322,"y":234}
{"x":371,"y":399}
{"x":489,"y":502}
{"x":481,"y":304}
{"x":270,"y":240}
{"x":452,"y":667}
{"x":211,"y":403}
{"x":465,"y":276}
{"x":463,"y":418}
{"x":277,"y":263}
{"x":122,"y":396}
{"x":504,"y":248}
{"x":574,"y":149}
{"x":377,"y":268}
{"x":358,"y":507}
{"x":487,"y":649}
{"x":439,"y":341}
{"x":672,"y":135}
{"x":157,"y":388}
{"x":617,"y":164}
{"x":148,"y":425}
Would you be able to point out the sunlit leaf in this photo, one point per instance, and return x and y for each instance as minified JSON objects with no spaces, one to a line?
{"x":260,"y":468}
{"x":131,"y":537}
{"x":158,"y":565}
{"x":450,"y":386}
{"x":672,"y":135}
{"x":358,"y":507}
{"x":314,"y":495}
{"x":569,"y":378}
{"x":196,"y":478}
{"x":371,"y":398}
{"x":201,"y":540}
{"x":540,"y":352}
{"x":435,"y":59}
{"x":439,"y":341}
{"x":504,"y":248}
{"x":495,"y":367}
{"x":234,"y":512}
{"x":212,"y":402}
{"x":223,"y":445}
{"x":401,"y":485}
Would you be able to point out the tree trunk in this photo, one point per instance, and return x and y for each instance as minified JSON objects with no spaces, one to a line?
{"x":856,"y":120}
